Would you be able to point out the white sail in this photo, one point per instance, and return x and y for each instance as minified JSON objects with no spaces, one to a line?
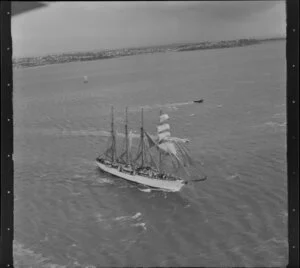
{"x":168,"y":148}
{"x":164,"y":135}
{"x":169,"y":145}
{"x":163,"y":127}
{"x":163,"y":118}
{"x":183,"y":154}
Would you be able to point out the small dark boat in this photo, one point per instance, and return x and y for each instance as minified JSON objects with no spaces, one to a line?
{"x":198,"y":101}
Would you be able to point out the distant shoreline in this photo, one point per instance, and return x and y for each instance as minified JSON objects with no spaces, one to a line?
{"x":28,"y":62}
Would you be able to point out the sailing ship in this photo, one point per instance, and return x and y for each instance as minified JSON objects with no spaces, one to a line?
{"x":144,"y":168}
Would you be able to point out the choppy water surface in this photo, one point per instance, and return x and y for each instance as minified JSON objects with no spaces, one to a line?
{"x":70,"y":214}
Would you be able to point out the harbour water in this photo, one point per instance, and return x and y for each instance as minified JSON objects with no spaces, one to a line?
{"x":69,"y":214}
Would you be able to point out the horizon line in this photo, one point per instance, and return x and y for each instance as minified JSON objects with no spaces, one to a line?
{"x":144,"y":46}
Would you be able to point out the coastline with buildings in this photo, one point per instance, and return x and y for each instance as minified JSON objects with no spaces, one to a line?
{"x":114,"y":53}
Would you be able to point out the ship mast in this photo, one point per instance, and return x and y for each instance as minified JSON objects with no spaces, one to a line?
{"x":113,"y":146}
{"x":159,"y":153}
{"x":142,"y":138}
{"x":126,"y":137}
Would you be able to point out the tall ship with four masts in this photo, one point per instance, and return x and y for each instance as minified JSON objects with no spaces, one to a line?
{"x":148,"y":166}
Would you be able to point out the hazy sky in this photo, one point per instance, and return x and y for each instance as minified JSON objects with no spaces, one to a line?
{"x":81,"y":26}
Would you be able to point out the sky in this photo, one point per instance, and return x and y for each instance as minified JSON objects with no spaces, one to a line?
{"x":85,"y":26}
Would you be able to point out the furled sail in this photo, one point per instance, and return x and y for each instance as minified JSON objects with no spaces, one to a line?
{"x":122,"y":156}
{"x":168,"y":147}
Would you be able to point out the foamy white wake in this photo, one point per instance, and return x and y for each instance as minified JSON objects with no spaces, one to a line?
{"x":134,"y":217}
{"x":141,"y":224}
{"x":104,"y":180}
{"x":145,"y":190}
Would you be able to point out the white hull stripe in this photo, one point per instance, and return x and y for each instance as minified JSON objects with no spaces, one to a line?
{"x":173,"y":186}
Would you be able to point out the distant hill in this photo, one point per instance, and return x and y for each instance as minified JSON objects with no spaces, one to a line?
{"x":114,"y":53}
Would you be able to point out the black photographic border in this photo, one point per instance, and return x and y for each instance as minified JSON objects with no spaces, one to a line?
{"x":7,"y":189}
{"x":292,"y":103}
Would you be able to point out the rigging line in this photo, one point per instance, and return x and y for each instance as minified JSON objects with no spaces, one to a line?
{"x":150,"y":157}
{"x":182,"y":152}
{"x":184,"y":147}
{"x":183,"y":167}
{"x":145,"y":151}
{"x":121,"y":156}
{"x":159,"y":152}
{"x":138,"y":156}
{"x":142,"y":136}
{"x":138,"y":149}
{"x":152,"y":160}
{"x":113,"y":134}
{"x":148,"y":148}
{"x":174,"y":163}
{"x":126,"y":134}
{"x":185,"y":153}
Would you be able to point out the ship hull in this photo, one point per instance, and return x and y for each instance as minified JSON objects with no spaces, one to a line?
{"x":168,"y":185}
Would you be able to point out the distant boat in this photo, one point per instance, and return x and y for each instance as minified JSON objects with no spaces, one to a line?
{"x":198,"y":101}
{"x":85,"y":79}
{"x":143,"y":169}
